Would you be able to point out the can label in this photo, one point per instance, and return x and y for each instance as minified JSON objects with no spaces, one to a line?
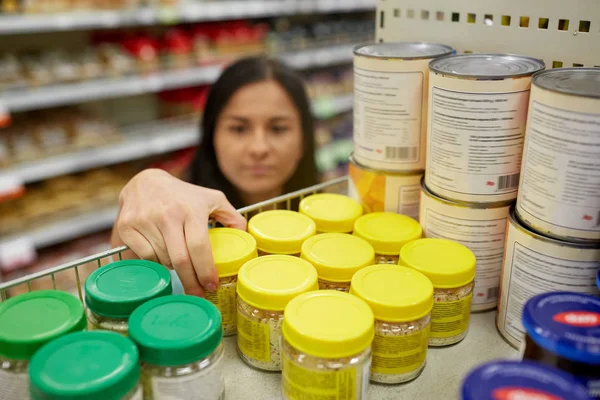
{"x":253,"y":338}
{"x":396,"y":355}
{"x":450,"y":318}
{"x":475,"y":143}
{"x":561,"y":172}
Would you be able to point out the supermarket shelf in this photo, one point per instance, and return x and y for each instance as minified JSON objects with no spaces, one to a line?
{"x":58,"y":95}
{"x":186,"y":13}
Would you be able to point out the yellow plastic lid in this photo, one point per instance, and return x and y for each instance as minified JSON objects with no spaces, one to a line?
{"x":270,"y":282}
{"x":281,"y":231}
{"x":387,"y":232}
{"x":446,"y":263}
{"x":337,"y":256}
{"x":328,"y":324}
{"x":331,"y":212}
{"x":395,"y":294}
{"x":231,"y":249}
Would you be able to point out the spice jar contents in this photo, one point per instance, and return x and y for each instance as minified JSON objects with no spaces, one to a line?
{"x":180,"y":343}
{"x":28,"y":322}
{"x":451,"y":268}
{"x":114,"y":291}
{"x":265,"y":286}
{"x":332,"y":213}
{"x":401,"y":299}
{"x":91,"y":365}
{"x":520,"y":380}
{"x":231,"y":249}
{"x":387,"y":233}
{"x":337,"y":256}
{"x":280,"y":231}
{"x":562,"y":330}
{"x":327,"y":339}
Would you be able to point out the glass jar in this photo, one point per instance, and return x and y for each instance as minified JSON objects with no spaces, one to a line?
{"x":401,"y":299}
{"x":332,"y":213}
{"x":231,"y":249}
{"x":387,"y":233}
{"x":280,"y":231}
{"x":266,"y":285}
{"x":562,"y":331}
{"x":114,"y":291}
{"x":91,"y":365}
{"x":28,"y":322}
{"x":451,"y":268}
{"x":337,"y":256}
{"x":180,"y":343}
{"x":327,"y":338}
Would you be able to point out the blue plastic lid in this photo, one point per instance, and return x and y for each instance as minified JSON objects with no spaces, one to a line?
{"x":505,"y":380}
{"x":565,"y":323}
{"x":598,"y":279}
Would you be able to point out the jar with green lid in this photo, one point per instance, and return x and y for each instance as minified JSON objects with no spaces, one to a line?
{"x":86,"y":366}
{"x":327,"y":339}
{"x":114,"y":291}
{"x":332,"y":213}
{"x":27,"y":322}
{"x":401,"y":299}
{"x":337,"y":257}
{"x":387,"y":233}
{"x":266,"y":285}
{"x":180,"y":343}
{"x":450,"y":266}
{"x":231,"y":249}
{"x":280,"y":231}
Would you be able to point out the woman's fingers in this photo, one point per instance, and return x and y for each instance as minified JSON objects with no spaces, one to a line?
{"x":138,"y":244}
{"x":200,"y":251}
{"x":222,"y":211}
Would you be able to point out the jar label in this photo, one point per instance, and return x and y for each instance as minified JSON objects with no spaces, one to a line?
{"x":302,"y":384}
{"x":253,"y":338}
{"x":13,"y":386}
{"x":208,"y":384}
{"x":450,"y":318}
{"x":225,"y":300}
{"x":399,"y":354}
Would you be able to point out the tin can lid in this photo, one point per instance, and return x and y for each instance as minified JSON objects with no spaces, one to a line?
{"x":85,"y":365}
{"x":486,"y":66}
{"x":520,"y":380}
{"x":331,"y":212}
{"x":403,"y":50}
{"x":565,"y":323}
{"x":583,"y":82}
{"x":231,"y":248}
{"x":281,"y":231}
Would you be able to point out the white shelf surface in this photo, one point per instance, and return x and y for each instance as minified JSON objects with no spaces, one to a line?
{"x":186,"y":13}
{"x":59,"y":95}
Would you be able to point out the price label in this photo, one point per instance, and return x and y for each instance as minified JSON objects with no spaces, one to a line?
{"x":17,"y":253}
{"x":11,"y":187}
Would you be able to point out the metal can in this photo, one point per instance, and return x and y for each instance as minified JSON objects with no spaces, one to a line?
{"x":535,"y":264}
{"x":390,"y":103}
{"x":480,"y":227}
{"x":382,"y":191}
{"x":476,"y":125}
{"x":560,"y":185}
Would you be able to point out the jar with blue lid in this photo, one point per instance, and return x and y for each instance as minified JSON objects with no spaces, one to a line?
{"x":562,"y":330}
{"x":520,"y":380}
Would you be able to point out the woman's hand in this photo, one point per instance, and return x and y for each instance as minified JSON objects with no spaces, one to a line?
{"x":165,"y":220}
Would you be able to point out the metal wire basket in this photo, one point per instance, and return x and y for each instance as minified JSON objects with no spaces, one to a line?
{"x":56,"y":277}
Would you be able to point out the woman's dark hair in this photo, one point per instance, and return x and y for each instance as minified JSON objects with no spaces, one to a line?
{"x":205,"y":170}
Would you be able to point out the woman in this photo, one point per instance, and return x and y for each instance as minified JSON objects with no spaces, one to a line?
{"x":257,"y":143}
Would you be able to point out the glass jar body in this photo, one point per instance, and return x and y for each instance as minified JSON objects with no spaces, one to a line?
{"x":259,"y":336}
{"x":14,"y":380}
{"x":387,"y":258}
{"x":99,"y":323}
{"x":330,"y":285}
{"x":264,"y":253}
{"x":136,"y":393}
{"x":225,"y":300}
{"x":450,"y":315}
{"x":203,"y":376}
{"x":306,"y":376}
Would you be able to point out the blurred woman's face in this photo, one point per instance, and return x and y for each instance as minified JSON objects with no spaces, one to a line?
{"x":258,"y":140}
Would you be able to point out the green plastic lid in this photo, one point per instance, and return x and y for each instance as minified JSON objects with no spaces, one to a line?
{"x":29,"y":321}
{"x":117,"y":289}
{"x":94,"y":365}
{"x":176,"y":330}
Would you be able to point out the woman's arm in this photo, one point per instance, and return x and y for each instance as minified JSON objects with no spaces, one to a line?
{"x":165,"y":220}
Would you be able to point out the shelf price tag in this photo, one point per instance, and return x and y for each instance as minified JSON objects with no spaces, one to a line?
{"x":168,"y":15}
{"x":11,"y":187}
{"x":17,"y":253}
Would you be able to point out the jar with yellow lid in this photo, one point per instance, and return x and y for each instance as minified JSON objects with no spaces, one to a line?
{"x":280,"y":231}
{"x":265,"y":286}
{"x":387,"y":233}
{"x":451,"y":268}
{"x":401,"y":299}
{"x":337,"y":257}
{"x":327,"y":338}
{"x":332,"y":213}
{"x":231,"y":249}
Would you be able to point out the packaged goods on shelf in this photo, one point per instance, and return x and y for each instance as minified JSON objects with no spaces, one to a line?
{"x":61,"y":6}
{"x":280,"y":231}
{"x":332,"y":213}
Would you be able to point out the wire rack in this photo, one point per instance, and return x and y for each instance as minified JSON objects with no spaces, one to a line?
{"x":54,"y":278}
